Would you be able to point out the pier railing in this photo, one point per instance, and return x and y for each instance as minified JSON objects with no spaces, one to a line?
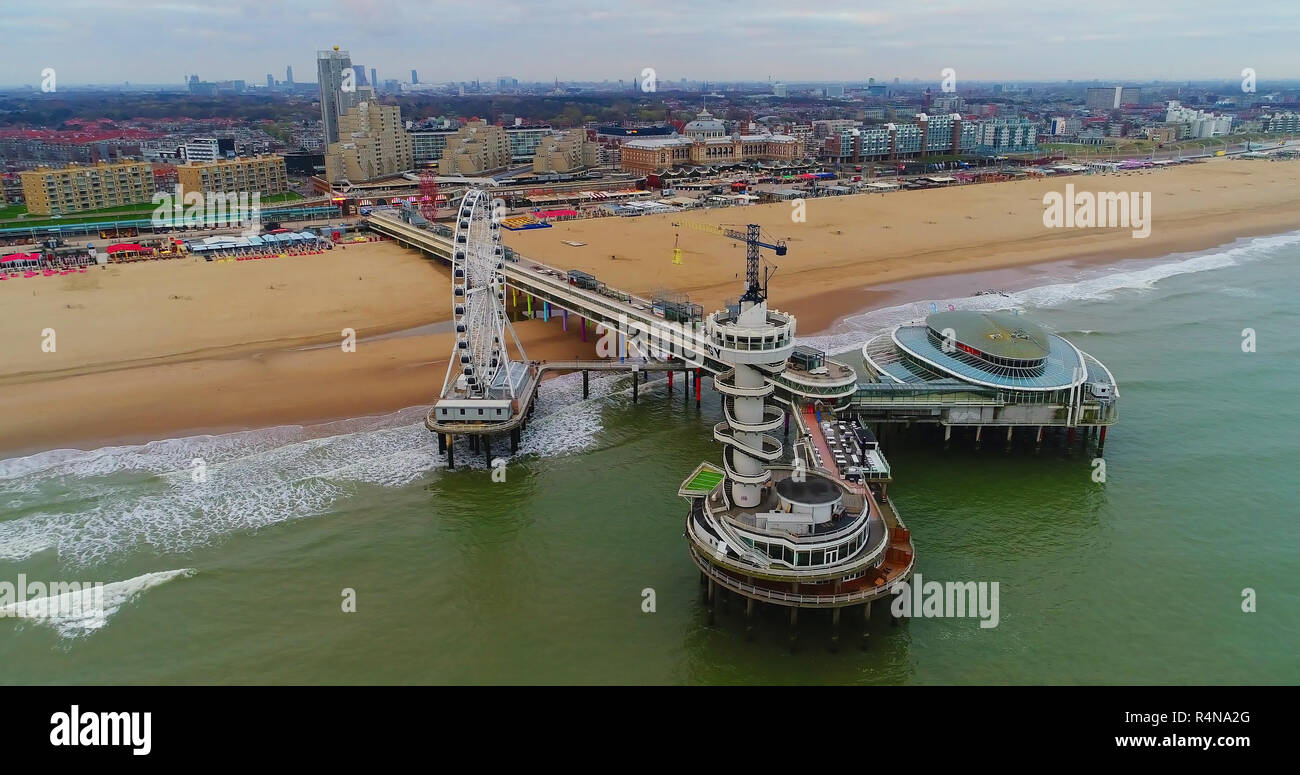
{"x":833,"y":600}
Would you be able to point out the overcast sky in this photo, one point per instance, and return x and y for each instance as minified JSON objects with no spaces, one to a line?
{"x":142,"y":41}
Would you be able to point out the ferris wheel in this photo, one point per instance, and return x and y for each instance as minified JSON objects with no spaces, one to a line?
{"x":478,"y":292}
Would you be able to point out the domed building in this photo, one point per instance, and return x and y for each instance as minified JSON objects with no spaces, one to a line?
{"x":704,"y":127}
{"x":976,"y":368}
{"x":704,"y":141}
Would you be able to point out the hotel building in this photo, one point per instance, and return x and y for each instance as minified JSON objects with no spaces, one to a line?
{"x":75,"y":188}
{"x":265,"y":174}
{"x":705,"y":141}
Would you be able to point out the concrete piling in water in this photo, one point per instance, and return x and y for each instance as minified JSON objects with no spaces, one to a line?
{"x":585,"y":391}
{"x":866,"y":621}
{"x":451,"y":452}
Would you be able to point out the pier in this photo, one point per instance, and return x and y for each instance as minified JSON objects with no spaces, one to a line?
{"x":821,"y":532}
{"x":897,"y":389}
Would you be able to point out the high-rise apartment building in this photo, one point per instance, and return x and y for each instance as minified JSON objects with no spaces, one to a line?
{"x":566,"y":152}
{"x":477,"y":148}
{"x":76,"y":188}
{"x":229,"y":176}
{"x":203,"y":149}
{"x":334,"y":101}
{"x":372,"y":143}
{"x":1111,"y":97}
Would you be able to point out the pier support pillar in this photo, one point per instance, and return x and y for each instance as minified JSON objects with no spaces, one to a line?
{"x":584,"y":328}
{"x":670,"y":381}
{"x":1069,"y":439}
{"x":487,"y":450}
{"x":565,"y":313}
{"x":528,"y":300}
{"x":1010,"y":428}
{"x":546,"y":312}
{"x":514,"y":297}
{"x":697,"y":388}
{"x":1038,"y":440}
{"x":835,"y":629}
{"x":514,"y":440}
{"x":787,"y":425}
{"x":947,"y":435}
{"x":473,"y":443}
{"x":585,"y":391}
{"x":749,"y":618}
{"x":979,"y":431}
{"x":442,"y":444}
{"x":451,"y":452}
{"x":636,"y":383}
{"x":1101,"y":441}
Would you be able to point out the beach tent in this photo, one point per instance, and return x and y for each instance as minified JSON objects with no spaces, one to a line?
{"x":16,"y":261}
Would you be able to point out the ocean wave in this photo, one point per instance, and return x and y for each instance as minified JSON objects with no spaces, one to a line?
{"x":1103,"y":285}
{"x":89,"y":507}
{"x":81,"y":612}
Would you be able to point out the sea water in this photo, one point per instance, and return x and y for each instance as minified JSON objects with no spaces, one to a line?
{"x":348,"y":553}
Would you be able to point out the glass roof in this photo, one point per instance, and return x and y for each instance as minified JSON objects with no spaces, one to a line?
{"x":1063,"y":367}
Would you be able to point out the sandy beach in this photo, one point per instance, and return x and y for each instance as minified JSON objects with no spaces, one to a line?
{"x":175,"y":348}
{"x":849,"y":244}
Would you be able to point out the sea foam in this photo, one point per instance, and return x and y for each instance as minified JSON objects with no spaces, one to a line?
{"x":1094,"y":284}
{"x":92,"y":506}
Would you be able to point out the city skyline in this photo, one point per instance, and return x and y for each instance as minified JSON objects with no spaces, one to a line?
{"x":581,"y":41}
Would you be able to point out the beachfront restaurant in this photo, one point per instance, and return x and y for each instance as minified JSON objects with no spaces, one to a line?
{"x":20,"y":262}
